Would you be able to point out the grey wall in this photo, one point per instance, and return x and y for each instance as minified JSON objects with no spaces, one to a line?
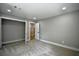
{"x":12,"y":30}
{"x":61,"y":28}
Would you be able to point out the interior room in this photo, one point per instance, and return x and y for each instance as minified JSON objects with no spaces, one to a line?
{"x":39,"y":29}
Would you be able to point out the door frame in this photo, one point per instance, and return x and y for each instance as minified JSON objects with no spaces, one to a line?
{"x":30,"y":29}
{"x":0,"y":33}
{"x":19,"y":20}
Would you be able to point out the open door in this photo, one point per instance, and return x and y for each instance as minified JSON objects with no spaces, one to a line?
{"x":37,"y":31}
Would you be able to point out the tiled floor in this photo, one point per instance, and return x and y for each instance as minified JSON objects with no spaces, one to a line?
{"x":35,"y":48}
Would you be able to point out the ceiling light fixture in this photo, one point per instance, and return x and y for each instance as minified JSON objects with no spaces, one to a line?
{"x":15,"y":6}
{"x":64,"y":8}
{"x":8,"y":10}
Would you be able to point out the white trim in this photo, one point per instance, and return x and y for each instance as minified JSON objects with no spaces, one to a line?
{"x":26,"y":31}
{"x":13,"y":19}
{"x":0,"y":34}
{"x":29,"y":30}
{"x":12,"y":41}
{"x":57,"y":44}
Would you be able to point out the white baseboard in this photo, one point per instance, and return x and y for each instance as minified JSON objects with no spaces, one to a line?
{"x":12,"y":41}
{"x":65,"y":46}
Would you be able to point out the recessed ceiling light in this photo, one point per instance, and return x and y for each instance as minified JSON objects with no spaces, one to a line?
{"x":64,"y":8}
{"x":15,"y":6}
{"x":34,"y":18}
{"x":8,"y":10}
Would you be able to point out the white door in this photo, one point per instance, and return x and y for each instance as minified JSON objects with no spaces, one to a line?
{"x":37,"y":31}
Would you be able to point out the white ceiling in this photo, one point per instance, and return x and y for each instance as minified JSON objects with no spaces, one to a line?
{"x":38,"y":10}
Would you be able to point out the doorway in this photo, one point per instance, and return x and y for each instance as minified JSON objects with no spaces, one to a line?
{"x":33,"y":31}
